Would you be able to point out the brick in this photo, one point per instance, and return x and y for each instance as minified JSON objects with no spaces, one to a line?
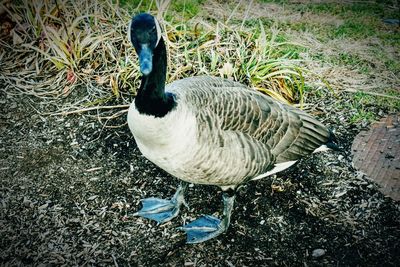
{"x":376,"y":153}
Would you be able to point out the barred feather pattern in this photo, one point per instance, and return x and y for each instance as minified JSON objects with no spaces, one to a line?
{"x":223,"y":133}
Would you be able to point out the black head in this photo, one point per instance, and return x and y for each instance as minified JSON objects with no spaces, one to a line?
{"x":144,"y":32}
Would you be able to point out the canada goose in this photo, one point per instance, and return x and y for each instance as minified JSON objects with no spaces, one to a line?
{"x":208,"y":130}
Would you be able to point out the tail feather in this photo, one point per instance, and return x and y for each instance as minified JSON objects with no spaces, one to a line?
{"x":332,"y":142}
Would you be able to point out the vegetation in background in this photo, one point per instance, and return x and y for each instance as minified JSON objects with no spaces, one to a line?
{"x":353,"y":38}
{"x":82,"y":45}
{"x":54,"y":48}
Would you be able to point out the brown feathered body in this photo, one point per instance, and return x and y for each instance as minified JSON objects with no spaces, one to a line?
{"x":223,"y":133}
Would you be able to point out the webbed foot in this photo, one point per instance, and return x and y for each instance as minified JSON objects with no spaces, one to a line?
{"x":203,"y":229}
{"x":162,"y":210}
{"x":208,"y":227}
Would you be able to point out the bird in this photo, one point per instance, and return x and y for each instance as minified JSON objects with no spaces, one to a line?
{"x":210,"y":130}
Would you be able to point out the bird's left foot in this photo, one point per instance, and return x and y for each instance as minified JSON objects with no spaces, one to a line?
{"x":208,"y":227}
{"x":203,"y":229}
{"x":157,"y":209}
{"x":162,"y":210}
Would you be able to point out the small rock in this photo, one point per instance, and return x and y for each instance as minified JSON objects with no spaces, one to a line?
{"x":319,"y":252}
{"x":92,"y":197}
{"x":27,"y":203}
{"x":43,"y":207}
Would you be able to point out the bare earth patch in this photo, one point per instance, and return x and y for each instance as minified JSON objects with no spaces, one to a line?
{"x":69,"y":188}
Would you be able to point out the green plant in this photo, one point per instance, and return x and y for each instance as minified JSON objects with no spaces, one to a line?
{"x":82,"y":45}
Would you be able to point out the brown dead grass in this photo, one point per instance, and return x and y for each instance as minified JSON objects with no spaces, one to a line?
{"x":55,"y":49}
{"x":256,"y":10}
{"x":338,"y":76}
{"x":348,"y":77}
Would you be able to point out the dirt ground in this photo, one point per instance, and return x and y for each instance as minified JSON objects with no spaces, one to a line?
{"x":69,"y":188}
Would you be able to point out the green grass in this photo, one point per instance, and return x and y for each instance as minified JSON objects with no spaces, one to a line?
{"x":286,"y":49}
{"x":275,"y":1}
{"x":392,"y":65}
{"x":137,"y":5}
{"x":391,"y":38}
{"x":351,"y":22}
{"x":371,"y":10}
{"x":349,"y":60}
{"x":189,"y":8}
{"x":363,"y":115}
{"x":361,"y":102}
{"x":352,"y":61}
{"x":185,"y":8}
{"x":365,"y":106}
{"x":360,"y":19}
{"x":353,"y":29}
{"x":354,"y":8}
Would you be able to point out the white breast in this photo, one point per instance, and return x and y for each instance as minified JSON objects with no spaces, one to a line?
{"x":166,"y":141}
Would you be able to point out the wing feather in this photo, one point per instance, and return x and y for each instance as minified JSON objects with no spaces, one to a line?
{"x":287,"y":133}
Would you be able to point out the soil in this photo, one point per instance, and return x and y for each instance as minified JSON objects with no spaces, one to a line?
{"x":69,"y":188}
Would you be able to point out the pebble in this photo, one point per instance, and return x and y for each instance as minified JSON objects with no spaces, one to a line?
{"x":27,"y":203}
{"x":319,"y":252}
{"x":92,"y":197}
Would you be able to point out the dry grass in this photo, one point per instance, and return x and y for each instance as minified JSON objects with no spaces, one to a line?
{"x":60,"y":46}
{"x":55,"y":48}
{"x":52,"y":49}
{"x":269,"y":11}
{"x":246,"y":56}
{"x":348,"y":78}
{"x":371,"y":51}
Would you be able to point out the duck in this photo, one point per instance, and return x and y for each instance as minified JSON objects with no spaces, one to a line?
{"x":210,"y":130}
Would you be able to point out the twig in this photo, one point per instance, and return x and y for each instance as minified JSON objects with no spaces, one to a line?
{"x":87,"y":109}
{"x":116,"y":115}
{"x":233,"y":12}
{"x":246,"y":14}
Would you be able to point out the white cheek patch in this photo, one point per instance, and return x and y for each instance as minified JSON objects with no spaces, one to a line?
{"x":158,"y":28}
{"x":129,"y":31}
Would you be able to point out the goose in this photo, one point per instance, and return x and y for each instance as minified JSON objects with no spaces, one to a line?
{"x":210,"y":130}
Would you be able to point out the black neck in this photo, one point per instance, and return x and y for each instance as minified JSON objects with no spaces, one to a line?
{"x":151,"y":98}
